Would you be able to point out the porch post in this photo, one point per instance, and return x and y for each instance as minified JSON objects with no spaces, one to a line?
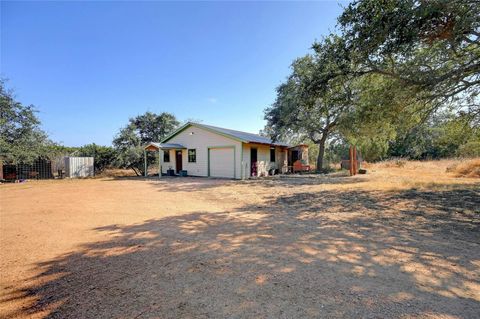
{"x":145,"y":158}
{"x":159,"y":165}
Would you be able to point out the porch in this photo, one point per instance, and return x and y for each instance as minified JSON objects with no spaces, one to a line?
{"x":163,"y":149}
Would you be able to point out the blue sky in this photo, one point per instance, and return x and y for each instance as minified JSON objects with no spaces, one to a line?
{"x":90,"y":66}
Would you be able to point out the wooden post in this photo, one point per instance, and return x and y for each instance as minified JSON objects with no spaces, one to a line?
{"x":145,"y":157}
{"x":159,"y":165}
{"x":355,"y":168}
{"x":350,"y":155}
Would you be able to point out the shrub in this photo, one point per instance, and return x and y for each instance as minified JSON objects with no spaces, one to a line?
{"x":104,"y":156}
{"x":470,"y":149}
{"x":469,"y":168}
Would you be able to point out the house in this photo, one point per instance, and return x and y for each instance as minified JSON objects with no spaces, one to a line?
{"x":205,"y":150}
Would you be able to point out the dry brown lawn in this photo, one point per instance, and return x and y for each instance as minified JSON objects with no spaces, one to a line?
{"x":399,"y":242}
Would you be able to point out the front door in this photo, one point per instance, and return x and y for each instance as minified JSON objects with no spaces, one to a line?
{"x":178,"y":160}
{"x":253,"y":161}
{"x":295,"y":156}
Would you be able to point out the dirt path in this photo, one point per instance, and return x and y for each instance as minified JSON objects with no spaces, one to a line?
{"x":364,"y":247}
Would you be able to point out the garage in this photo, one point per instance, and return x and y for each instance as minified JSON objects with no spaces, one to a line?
{"x":221,"y":162}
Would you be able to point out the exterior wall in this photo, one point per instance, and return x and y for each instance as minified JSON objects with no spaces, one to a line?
{"x":79,"y":166}
{"x":171,"y":164}
{"x":200,"y":140}
{"x":263,"y":158}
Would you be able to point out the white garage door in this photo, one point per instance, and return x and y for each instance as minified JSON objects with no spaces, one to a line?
{"x":222,"y":162}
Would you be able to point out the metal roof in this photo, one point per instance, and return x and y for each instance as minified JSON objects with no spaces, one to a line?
{"x":237,"y":135}
{"x":166,"y":146}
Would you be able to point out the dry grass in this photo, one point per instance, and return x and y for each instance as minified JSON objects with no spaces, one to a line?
{"x":467,"y":168}
{"x":433,"y":166}
{"x":116,"y":172}
{"x":403,"y":174}
{"x":398,"y":242}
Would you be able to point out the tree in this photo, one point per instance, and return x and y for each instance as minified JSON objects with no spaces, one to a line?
{"x":104,"y":156}
{"x":21,"y":138}
{"x":311,"y":102}
{"x":444,"y":135}
{"x":384,"y":109}
{"x":433,"y":46}
{"x":141,"y":130}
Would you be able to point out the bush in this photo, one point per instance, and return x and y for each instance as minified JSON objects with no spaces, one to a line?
{"x":470,"y":149}
{"x":395,"y":162}
{"x":104,"y":155}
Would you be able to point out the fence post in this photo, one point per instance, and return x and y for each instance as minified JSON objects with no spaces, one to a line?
{"x":350,"y":156}
{"x":355,"y":168}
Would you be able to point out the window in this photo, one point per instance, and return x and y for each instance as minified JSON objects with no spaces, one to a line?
{"x":192,"y":156}
{"x":166,"y":156}
{"x":272,"y":155}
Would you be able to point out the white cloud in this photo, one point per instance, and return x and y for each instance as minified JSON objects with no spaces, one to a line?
{"x":212,"y":100}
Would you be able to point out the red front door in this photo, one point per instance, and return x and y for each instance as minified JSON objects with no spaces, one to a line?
{"x":178,"y":161}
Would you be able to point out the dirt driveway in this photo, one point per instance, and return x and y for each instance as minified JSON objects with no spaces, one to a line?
{"x":331,"y":247}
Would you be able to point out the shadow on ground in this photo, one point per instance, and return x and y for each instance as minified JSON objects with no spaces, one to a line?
{"x":329,"y":254}
{"x":192,"y":183}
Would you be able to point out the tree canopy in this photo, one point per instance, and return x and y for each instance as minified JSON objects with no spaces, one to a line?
{"x":141,"y":130}
{"x":21,"y":138}
{"x":431,"y":45}
{"x":393,"y":66}
{"x":307,"y":103}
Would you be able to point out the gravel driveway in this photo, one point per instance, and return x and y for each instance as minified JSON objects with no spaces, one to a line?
{"x":328,"y":247}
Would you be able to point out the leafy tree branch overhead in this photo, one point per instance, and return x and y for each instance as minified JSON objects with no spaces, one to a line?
{"x":434,"y":45}
{"x":392,"y":66}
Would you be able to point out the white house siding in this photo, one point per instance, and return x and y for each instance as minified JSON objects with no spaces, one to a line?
{"x":263,"y":158}
{"x":201,"y":140}
{"x":167,"y":165}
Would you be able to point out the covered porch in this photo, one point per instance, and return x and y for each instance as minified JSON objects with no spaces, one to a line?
{"x":160,"y":148}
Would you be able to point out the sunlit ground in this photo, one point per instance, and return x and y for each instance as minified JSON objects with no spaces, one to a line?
{"x":399,"y":242}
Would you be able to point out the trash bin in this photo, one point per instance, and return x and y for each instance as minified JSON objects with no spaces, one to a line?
{"x":183,"y":173}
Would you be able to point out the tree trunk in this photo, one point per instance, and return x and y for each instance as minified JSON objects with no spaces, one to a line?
{"x":135,"y":170}
{"x":321,"y":152}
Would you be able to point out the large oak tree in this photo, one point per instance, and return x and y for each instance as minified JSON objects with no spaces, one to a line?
{"x":141,"y":130}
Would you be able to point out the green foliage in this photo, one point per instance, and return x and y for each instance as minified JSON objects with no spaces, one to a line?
{"x":469,"y":149}
{"x":445,"y":135}
{"x":21,"y":139}
{"x":410,"y":59}
{"x":105,"y":156}
{"x":140,"y":131}
{"x":311,"y":104}
{"x":433,"y":46}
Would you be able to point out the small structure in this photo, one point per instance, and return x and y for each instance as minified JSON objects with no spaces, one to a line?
{"x":39,"y":169}
{"x":298,"y":152}
{"x":204,"y":150}
{"x":79,"y":167}
{"x":298,"y":158}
